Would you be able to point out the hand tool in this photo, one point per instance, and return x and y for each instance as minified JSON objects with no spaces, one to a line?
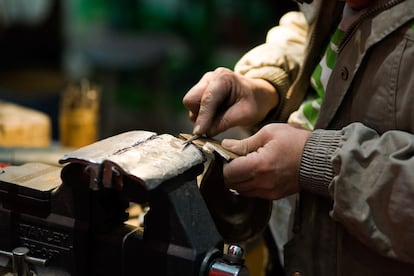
{"x":190,"y":140}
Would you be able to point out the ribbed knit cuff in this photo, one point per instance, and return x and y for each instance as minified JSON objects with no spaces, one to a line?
{"x":275,"y":75}
{"x":316,"y":172}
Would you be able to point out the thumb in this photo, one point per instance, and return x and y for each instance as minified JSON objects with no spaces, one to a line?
{"x":241,"y":147}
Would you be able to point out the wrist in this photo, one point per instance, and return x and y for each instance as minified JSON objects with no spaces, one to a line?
{"x":266,"y":96}
{"x":316,"y":171}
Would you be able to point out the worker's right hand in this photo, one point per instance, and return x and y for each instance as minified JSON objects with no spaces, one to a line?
{"x":269,"y":162}
{"x":223,"y":99}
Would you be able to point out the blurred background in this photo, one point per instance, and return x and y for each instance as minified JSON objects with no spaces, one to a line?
{"x":140,"y":55}
{"x":75,"y":71}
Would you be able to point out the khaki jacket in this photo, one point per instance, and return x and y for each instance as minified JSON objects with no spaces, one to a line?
{"x":356,"y":208}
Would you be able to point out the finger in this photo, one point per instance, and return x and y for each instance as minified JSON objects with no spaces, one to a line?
{"x":193,"y":97}
{"x":254,"y":188}
{"x":239,"y":170}
{"x":244,"y":146}
{"x":212,"y":101}
{"x":227,"y":119}
{"x":192,"y":116}
{"x":241,"y":187}
{"x":258,"y":193}
{"x":250,"y":188}
{"x":239,"y":147}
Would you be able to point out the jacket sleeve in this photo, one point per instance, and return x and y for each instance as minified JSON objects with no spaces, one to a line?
{"x":370,"y":177}
{"x":278,"y":59}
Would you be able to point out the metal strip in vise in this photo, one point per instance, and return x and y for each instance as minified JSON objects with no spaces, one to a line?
{"x":208,"y":144}
{"x":144,"y":155}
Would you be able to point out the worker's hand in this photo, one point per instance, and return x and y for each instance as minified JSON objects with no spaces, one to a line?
{"x":223,"y":99}
{"x":270,"y":162}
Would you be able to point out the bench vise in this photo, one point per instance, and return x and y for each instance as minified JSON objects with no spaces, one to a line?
{"x":70,"y":220}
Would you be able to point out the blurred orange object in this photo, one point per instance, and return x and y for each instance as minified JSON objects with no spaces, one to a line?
{"x":79,"y":115}
{"x":23,"y":127}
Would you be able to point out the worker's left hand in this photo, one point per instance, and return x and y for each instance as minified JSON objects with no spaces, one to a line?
{"x":223,"y":99}
{"x":270,"y":162}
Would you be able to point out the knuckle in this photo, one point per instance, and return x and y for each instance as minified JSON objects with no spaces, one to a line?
{"x":187,"y":100}
{"x":208,"y":97}
{"x":222,"y":70}
{"x":264,"y":167}
{"x":225,"y":76}
{"x":267,"y":129}
{"x":207,"y":75}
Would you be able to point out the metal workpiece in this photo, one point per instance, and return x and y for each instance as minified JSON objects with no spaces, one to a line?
{"x":209,"y":145}
{"x":143,"y":155}
{"x":190,"y":140}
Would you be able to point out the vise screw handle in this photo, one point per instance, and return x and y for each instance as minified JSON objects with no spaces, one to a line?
{"x":21,"y":260}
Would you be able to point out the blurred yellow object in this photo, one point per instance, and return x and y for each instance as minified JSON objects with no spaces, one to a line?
{"x":79,"y":115}
{"x":23,"y":127}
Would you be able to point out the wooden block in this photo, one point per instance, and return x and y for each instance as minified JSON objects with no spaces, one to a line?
{"x":23,"y":127}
